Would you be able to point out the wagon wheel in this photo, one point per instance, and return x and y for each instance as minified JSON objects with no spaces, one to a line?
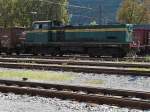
{"x":34,"y":52}
{"x":132,"y":54}
{"x":8,"y":53}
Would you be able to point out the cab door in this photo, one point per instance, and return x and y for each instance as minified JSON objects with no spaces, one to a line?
{"x":60,"y":36}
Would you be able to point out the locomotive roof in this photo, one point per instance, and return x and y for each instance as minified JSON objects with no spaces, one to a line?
{"x":100,"y":26}
{"x":41,"y":21}
{"x":14,"y":27}
{"x":86,"y":26}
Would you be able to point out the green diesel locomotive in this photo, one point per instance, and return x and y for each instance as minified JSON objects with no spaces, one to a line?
{"x":47,"y":37}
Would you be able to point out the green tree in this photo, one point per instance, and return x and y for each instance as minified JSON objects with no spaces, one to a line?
{"x":147,"y":5}
{"x":24,"y":12}
{"x":7,"y":12}
{"x":132,"y":11}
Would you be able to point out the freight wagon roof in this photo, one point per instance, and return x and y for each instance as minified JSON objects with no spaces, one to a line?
{"x":15,"y":27}
{"x":144,"y":26}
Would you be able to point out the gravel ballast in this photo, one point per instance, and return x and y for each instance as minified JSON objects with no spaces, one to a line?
{"x":18,"y":103}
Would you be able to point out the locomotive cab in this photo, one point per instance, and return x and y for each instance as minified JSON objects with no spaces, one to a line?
{"x":45,"y":25}
{"x":41,"y":33}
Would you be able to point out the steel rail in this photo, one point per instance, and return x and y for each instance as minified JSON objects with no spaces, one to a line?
{"x":93,"y":98}
{"x":137,"y":59}
{"x":87,"y":89}
{"x":75,"y":68}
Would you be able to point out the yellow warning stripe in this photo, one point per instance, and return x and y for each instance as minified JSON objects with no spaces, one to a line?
{"x":84,"y":30}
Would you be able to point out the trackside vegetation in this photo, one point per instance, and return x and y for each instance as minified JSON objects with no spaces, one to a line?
{"x":35,"y":75}
{"x":24,"y":12}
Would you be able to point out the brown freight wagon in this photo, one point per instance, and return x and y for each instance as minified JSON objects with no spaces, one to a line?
{"x":11,"y":39}
{"x":142,"y":39}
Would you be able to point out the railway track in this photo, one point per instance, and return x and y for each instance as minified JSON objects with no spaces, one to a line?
{"x":76,"y":66}
{"x":122,"y":98}
{"x":78,"y":57}
{"x":76,"y":62}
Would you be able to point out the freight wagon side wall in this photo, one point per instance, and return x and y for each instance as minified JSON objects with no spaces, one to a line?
{"x":10,"y":38}
{"x":140,"y":35}
{"x":6,"y":38}
{"x":149,"y":37}
{"x":16,"y":36}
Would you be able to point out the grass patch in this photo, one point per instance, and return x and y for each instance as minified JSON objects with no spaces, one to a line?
{"x":36,"y":75}
{"x":147,"y":58}
{"x":94,"y":81}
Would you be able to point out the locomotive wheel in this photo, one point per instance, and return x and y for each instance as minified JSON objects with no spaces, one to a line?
{"x":8,"y":52}
{"x":42,"y":54}
{"x":35,"y":54}
{"x":17,"y":53}
{"x":115,"y":55}
{"x":54,"y":54}
{"x":61,"y":54}
{"x":91,"y":56}
{"x":121,"y":55}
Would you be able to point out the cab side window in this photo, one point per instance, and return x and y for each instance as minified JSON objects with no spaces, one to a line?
{"x":45,"y":26}
{"x":42,"y":26}
{"x":36,"y":26}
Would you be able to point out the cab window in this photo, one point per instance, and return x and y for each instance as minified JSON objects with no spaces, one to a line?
{"x":45,"y":26}
{"x":37,"y":26}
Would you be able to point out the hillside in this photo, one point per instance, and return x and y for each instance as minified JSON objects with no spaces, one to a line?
{"x":103,"y":11}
